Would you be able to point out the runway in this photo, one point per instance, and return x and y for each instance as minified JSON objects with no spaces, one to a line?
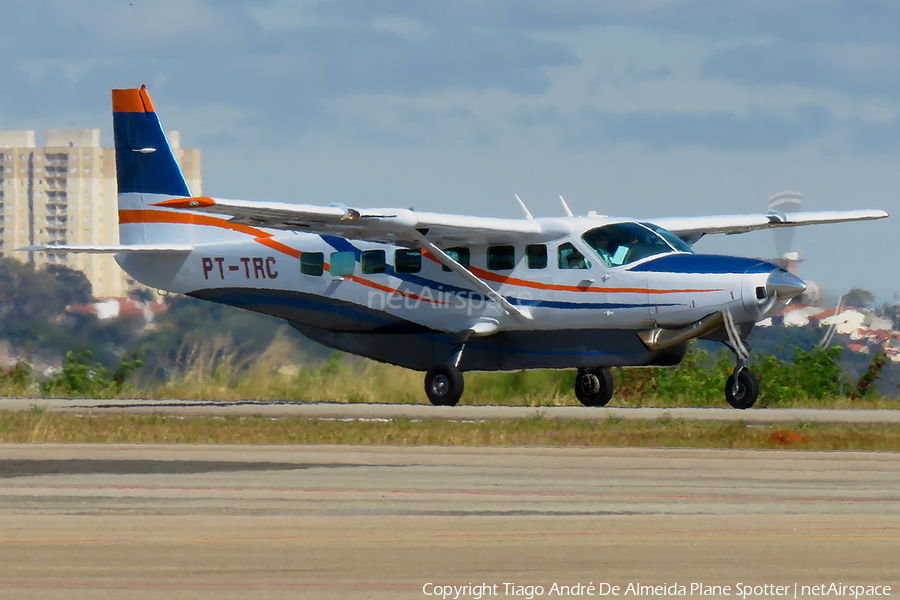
{"x":326,"y":410}
{"x":114,"y":521}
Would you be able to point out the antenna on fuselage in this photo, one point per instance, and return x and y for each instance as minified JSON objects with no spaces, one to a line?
{"x":527,"y":212}
{"x":566,"y":206}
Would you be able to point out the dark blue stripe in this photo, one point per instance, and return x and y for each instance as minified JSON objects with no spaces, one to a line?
{"x":580,"y":305}
{"x":474,"y":343}
{"x":255,"y":300}
{"x":342,"y":245}
{"x":704,"y":264}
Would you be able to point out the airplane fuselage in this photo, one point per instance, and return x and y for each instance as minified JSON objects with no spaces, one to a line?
{"x":402,"y":306}
{"x":446,"y":293}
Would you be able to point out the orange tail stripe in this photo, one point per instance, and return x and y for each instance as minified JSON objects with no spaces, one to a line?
{"x":128,"y":101}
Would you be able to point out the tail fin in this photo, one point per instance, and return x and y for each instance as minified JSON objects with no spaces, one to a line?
{"x":145,"y":163}
{"x":146,"y":169}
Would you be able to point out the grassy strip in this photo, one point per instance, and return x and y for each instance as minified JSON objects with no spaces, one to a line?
{"x":213,"y":371}
{"x":358,"y":381}
{"x":37,"y":426}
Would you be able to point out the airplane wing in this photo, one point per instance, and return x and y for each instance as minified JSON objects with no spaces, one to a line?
{"x":111,"y":249}
{"x":388,"y":225}
{"x":691,"y":229}
{"x":396,"y":226}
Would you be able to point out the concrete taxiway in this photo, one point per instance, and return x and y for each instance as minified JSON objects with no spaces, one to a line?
{"x":327,"y":410}
{"x":114,"y":521}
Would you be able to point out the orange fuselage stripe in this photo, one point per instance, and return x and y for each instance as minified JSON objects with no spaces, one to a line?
{"x":497,"y":278}
{"x":259,"y":236}
{"x":265,"y":238}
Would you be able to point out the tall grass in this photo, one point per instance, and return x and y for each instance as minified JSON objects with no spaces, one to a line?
{"x":214,"y":370}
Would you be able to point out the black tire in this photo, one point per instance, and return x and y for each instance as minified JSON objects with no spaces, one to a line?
{"x":594,"y":387}
{"x":748,"y":390}
{"x":444,"y":385}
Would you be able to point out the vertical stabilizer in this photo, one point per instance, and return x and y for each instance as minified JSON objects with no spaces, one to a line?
{"x":146,"y":169}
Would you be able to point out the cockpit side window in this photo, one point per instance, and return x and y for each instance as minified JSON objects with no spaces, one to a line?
{"x":571,"y":258}
{"x":624,"y":243}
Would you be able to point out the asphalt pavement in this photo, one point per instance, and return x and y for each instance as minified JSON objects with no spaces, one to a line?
{"x":223,"y":522}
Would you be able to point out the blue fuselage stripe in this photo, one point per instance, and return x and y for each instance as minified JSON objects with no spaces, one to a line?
{"x":436,"y":288}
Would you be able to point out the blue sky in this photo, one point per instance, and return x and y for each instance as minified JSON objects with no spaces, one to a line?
{"x":635,"y":107}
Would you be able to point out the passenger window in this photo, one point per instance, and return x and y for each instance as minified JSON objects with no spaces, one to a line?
{"x":372,"y":262}
{"x":408,"y":261}
{"x":571,"y":258}
{"x":342,"y":263}
{"x":501,"y":258}
{"x":536,"y":256}
{"x":460,"y":255}
{"x":312,"y":263}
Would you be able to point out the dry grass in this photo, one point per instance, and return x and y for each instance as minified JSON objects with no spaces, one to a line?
{"x":356,"y":380}
{"x":38,"y":426}
{"x":213,"y":370}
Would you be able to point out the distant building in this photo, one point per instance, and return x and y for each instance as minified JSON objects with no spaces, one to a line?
{"x":65,"y":193}
{"x":850,"y":321}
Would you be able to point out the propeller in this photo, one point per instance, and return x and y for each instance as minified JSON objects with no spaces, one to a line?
{"x":779,"y":204}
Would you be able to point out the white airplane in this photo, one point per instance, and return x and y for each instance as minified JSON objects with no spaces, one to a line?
{"x":445,"y":293}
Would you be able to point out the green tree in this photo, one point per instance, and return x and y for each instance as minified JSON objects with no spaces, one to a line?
{"x":28,"y":294}
{"x":858,"y":297}
{"x":892,"y":311}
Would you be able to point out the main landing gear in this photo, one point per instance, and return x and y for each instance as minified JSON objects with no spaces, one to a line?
{"x":444,"y":382}
{"x":741,"y":387}
{"x":594,"y":387}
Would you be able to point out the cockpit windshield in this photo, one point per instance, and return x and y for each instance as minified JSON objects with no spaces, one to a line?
{"x":624,"y":243}
{"x":676,"y":242}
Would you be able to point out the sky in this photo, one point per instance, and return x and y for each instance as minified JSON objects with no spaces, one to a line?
{"x":637,"y":108}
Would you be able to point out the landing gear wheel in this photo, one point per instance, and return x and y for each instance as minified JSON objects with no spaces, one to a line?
{"x":594,"y":387}
{"x":747,"y":390}
{"x":444,"y":385}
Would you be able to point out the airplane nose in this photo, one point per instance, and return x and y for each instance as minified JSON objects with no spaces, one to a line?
{"x":783,"y":285}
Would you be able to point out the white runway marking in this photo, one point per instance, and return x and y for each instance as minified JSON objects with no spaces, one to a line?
{"x":324,"y":410}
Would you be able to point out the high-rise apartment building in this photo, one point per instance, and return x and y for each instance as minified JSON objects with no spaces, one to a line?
{"x":65,"y":193}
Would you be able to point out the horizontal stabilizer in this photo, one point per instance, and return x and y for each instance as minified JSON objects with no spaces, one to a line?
{"x":113,"y":249}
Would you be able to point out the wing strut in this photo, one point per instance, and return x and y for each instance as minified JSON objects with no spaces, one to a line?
{"x":480,"y":285}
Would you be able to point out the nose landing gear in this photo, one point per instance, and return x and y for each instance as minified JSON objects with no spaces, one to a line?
{"x":741,"y":387}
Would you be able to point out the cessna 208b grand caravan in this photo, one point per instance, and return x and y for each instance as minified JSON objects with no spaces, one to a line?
{"x":445,"y":293}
